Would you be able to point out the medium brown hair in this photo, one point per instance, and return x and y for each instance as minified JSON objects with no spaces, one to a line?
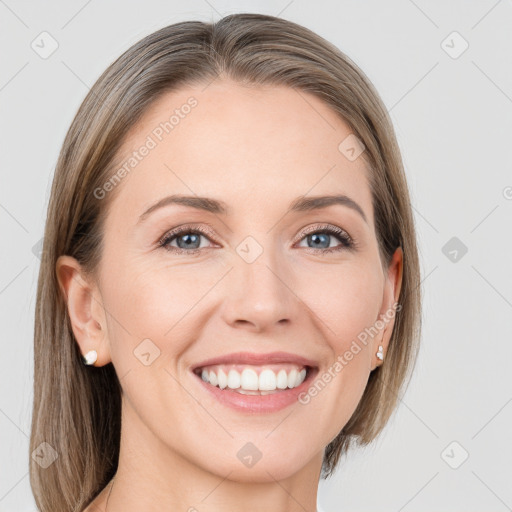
{"x":77,"y":408}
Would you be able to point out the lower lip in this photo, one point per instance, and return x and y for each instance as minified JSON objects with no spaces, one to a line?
{"x":258,"y":403}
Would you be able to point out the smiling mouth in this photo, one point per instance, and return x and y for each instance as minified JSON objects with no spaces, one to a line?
{"x":255,"y":380}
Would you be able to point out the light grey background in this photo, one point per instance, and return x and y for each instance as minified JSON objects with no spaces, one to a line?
{"x":453,"y":118}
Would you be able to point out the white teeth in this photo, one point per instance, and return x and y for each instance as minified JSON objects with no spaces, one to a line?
{"x":292,"y":377}
{"x":249,"y":382}
{"x":233,"y":379}
{"x":282,"y":379}
{"x":222,"y":379}
{"x":267,"y":380}
{"x":213,"y":378}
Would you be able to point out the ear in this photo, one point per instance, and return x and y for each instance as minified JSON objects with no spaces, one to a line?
{"x":85,"y":309}
{"x":388,"y":311}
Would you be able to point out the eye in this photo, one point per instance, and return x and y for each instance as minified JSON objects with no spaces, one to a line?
{"x":188,"y":239}
{"x":320,"y":238}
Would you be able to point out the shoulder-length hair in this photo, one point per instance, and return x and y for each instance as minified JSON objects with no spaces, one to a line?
{"x":77,"y":408}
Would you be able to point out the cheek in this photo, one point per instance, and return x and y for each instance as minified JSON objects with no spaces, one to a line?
{"x":347,"y":300}
{"x":153,"y":300}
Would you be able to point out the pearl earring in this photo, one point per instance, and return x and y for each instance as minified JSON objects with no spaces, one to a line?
{"x":90,"y":357}
{"x":380,"y":353}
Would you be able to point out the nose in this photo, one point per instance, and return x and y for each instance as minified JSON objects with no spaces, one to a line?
{"x":260,"y":295}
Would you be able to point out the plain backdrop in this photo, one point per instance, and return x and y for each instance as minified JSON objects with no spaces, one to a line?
{"x":444,"y":71}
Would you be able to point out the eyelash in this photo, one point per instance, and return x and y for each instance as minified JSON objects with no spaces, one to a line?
{"x":346,"y":241}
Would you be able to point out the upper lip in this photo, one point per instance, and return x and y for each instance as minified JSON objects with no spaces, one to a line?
{"x":256,"y":359}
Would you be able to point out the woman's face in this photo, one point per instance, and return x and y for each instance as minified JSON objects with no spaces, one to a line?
{"x":263,"y":277}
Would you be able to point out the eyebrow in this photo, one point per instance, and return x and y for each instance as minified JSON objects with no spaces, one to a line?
{"x":216,"y":206}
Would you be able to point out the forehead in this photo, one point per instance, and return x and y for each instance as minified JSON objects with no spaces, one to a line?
{"x":250,"y":146}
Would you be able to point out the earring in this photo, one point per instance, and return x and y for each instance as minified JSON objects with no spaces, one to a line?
{"x":380,"y":353}
{"x":90,"y":357}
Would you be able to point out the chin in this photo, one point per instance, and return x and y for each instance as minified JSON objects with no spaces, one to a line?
{"x":256,"y":463}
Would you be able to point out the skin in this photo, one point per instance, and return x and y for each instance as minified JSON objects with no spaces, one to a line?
{"x":256,"y":149}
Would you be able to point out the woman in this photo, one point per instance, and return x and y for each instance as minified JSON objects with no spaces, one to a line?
{"x":229,"y":290}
